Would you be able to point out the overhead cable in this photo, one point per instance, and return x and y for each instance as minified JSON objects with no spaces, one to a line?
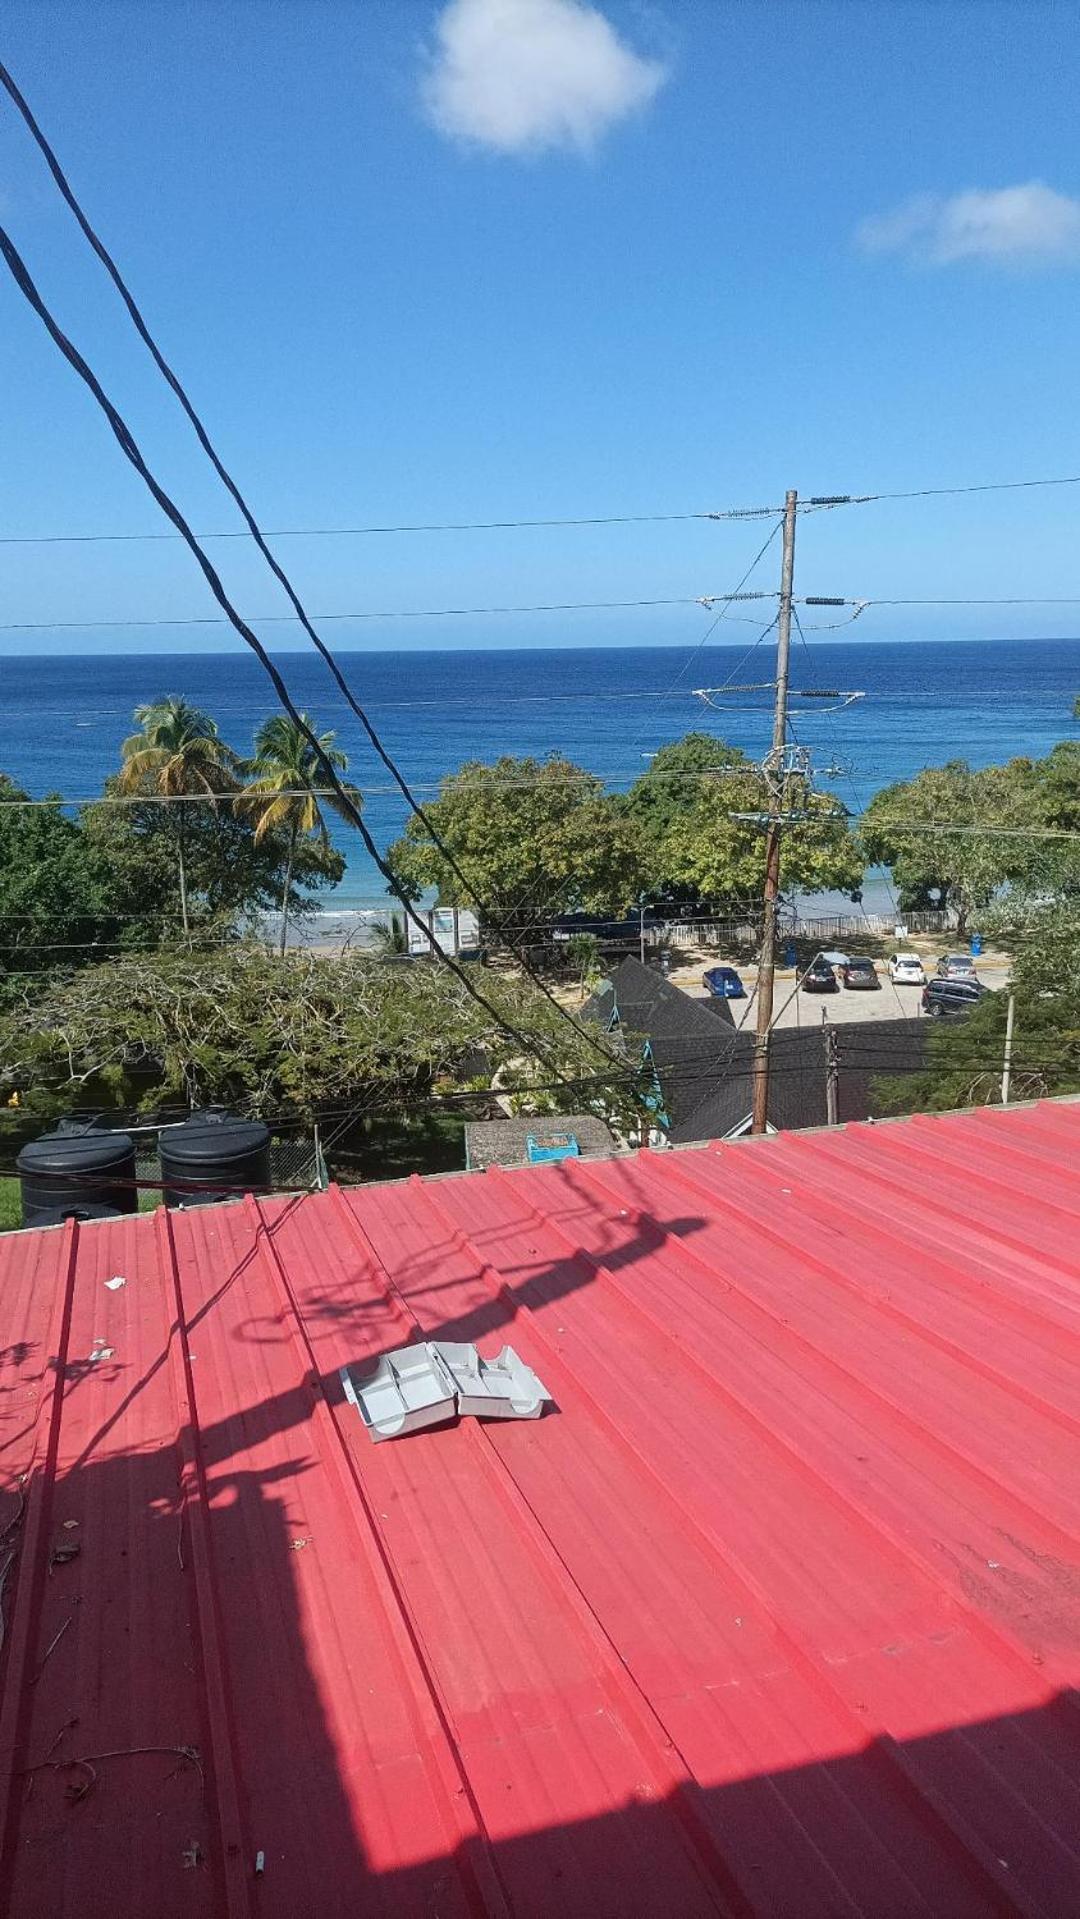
{"x":395,"y":613}
{"x":346,"y":804}
{"x":813,"y":504}
{"x":127,"y":444}
{"x":201,"y":434}
{"x":707,"y":600}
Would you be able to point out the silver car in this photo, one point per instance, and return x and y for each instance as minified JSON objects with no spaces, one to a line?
{"x":956,"y":966}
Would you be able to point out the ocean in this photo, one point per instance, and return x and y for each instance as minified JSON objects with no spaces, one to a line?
{"x":62,"y":719}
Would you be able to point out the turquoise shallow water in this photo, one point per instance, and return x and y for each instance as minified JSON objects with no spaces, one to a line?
{"x":62,"y":719}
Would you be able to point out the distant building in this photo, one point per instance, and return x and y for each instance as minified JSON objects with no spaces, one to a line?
{"x":456,"y":928}
{"x":531,"y":1140}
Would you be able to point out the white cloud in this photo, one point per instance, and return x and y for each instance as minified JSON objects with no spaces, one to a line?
{"x":524,"y":75}
{"x":1019,"y":226}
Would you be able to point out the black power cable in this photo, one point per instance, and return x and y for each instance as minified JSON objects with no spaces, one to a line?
{"x":208,"y":448}
{"x":111,"y":268}
{"x":20,"y":274}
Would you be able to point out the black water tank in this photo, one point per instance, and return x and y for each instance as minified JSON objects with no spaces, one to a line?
{"x":214,"y":1149}
{"x":78,"y":1171}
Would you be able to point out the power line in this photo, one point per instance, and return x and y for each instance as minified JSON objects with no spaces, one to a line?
{"x":351,"y":532}
{"x":1051,"y":599}
{"x":892,"y":695}
{"x":823,"y":820}
{"x":942,"y":492}
{"x":707,"y":600}
{"x":693,"y":657}
{"x":815,"y":504}
{"x":119,"y":714}
{"x":345,"y":802}
{"x":129,"y":447}
{"x":350,"y":811}
{"x":243,"y":796}
{"x":685,"y":1075}
{"x":395,"y":613}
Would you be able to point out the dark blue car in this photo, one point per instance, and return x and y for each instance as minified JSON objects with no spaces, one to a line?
{"x":723,"y":982}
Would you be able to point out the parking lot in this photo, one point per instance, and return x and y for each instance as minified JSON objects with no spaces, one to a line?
{"x":793,"y":1007}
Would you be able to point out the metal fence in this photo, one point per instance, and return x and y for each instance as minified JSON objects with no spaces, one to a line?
{"x":296,"y":1165}
{"x":827,"y":929}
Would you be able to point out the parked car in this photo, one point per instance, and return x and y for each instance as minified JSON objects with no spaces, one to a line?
{"x":956,"y":966}
{"x":949,"y":998}
{"x":819,"y":978}
{"x":723,"y":982}
{"x":906,"y":969}
{"x":860,"y":973}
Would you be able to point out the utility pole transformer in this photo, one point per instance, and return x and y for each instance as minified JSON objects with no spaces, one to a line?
{"x":776,"y":785}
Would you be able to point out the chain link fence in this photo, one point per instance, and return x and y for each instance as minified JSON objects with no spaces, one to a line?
{"x":827,"y":930}
{"x":296,"y":1165}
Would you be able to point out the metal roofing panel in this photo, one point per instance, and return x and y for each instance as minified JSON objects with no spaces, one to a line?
{"x":777,"y":1610}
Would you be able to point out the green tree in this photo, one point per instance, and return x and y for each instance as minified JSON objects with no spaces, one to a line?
{"x":583,"y":954}
{"x":391,"y":940}
{"x":965,"y":867}
{"x":233,"y":881}
{"x":964,"y":1057}
{"x":1050,"y":867}
{"x":59,"y":897}
{"x":285,"y":789}
{"x":686,"y":805}
{"x":533,"y":838}
{"x":264,"y":1034}
{"x":177,"y":754}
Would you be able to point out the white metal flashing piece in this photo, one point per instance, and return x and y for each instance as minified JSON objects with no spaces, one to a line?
{"x":500,"y":1388}
{"x":408,"y":1390}
{"x":426,"y":1384}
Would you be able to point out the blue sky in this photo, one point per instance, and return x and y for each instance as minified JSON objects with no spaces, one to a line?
{"x":519,"y":258}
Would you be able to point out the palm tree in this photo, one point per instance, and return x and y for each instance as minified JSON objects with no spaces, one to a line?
{"x":178,"y":753}
{"x":391,"y":939}
{"x":285,"y":787}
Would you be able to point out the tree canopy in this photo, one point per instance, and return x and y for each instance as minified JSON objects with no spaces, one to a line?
{"x":695,"y":849}
{"x":59,"y":895}
{"x":964,"y":1057}
{"x":177,"y":754}
{"x":232,"y":878}
{"x":953,"y":849}
{"x":533,"y":838}
{"x":285,"y":795}
{"x":263,"y":1034}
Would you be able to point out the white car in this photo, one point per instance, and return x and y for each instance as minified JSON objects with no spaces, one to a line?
{"x":906,"y":969}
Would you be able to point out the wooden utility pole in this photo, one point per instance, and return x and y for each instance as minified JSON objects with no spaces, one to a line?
{"x":832,"y":1074}
{"x":1006,"y":1064}
{"x":776,"y":789}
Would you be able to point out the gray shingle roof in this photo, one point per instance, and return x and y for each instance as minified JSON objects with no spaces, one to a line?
{"x":504,"y":1142}
{"x":704,"y":1064}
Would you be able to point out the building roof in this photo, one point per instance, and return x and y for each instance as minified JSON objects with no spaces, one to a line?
{"x":685,"y":1035}
{"x":704,"y":1063}
{"x":505,"y":1142}
{"x":713,"y":1103}
{"x":777,"y":1611}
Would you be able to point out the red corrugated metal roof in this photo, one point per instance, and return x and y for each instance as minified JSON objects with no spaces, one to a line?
{"x":777,"y":1613}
